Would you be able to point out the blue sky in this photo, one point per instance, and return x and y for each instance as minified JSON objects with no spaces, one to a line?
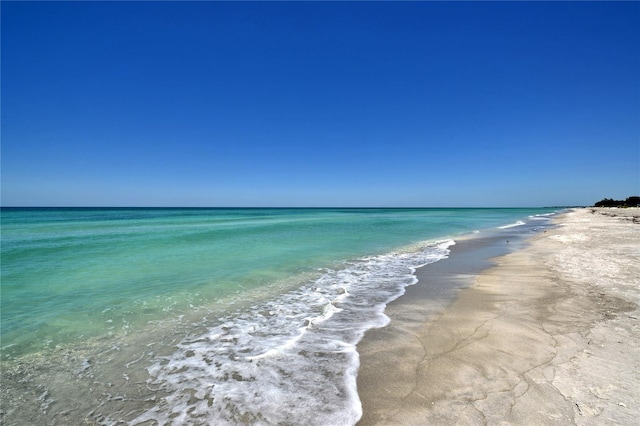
{"x":319,"y":103}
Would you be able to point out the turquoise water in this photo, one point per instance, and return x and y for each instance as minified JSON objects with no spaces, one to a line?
{"x":70,"y":276}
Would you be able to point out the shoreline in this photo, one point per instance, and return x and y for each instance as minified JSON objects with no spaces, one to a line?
{"x":548,"y":335}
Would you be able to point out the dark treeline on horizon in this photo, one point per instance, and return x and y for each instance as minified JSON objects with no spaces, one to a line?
{"x":609,"y":202}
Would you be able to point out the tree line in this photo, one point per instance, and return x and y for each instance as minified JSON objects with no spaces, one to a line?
{"x":609,"y":202}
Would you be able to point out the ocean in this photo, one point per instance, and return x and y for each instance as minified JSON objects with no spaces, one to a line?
{"x":207,"y":316}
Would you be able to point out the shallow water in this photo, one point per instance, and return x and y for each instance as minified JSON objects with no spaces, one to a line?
{"x":194,"y":316}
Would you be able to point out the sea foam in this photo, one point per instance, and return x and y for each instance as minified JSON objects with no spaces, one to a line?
{"x":289,"y":360}
{"x":512,"y":225}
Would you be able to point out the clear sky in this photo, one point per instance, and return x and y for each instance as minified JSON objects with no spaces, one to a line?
{"x":319,"y":103}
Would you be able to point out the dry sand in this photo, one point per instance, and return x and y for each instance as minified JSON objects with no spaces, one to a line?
{"x":550,"y":335}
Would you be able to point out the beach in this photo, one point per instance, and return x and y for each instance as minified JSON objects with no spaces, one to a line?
{"x":548,"y":334}
{"x":218,"y":316}
{"x":487,"y":316}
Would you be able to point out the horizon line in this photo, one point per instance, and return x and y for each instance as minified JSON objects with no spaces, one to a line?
{"x":291,"y":207}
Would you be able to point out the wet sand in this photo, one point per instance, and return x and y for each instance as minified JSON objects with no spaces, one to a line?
{"x":548,"y":335}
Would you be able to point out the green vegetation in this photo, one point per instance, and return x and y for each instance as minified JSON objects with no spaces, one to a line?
{"x":609,"y":202}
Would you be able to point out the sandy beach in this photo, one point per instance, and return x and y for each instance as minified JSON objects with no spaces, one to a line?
{"x":550,"y":334}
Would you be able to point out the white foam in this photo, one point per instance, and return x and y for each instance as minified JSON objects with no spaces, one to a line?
{"x":291,"y":360}
{"x":513,"y":225}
